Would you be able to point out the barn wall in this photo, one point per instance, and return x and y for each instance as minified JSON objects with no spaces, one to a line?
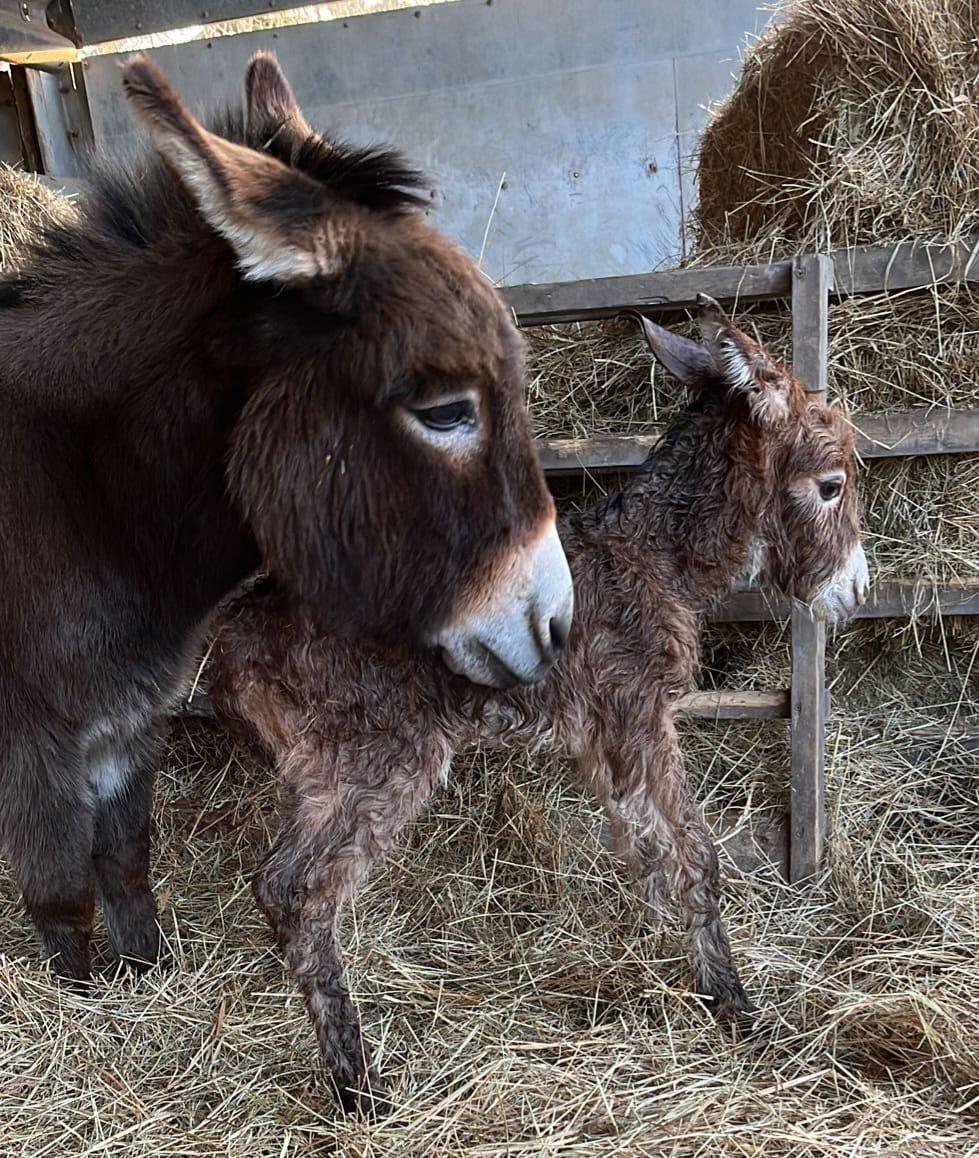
{"x":10,"y":149}
{"x":558,"y":132}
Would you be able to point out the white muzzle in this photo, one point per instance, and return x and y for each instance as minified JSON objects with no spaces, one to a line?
{"x":513,"y":629}
{"x":846,"y":591}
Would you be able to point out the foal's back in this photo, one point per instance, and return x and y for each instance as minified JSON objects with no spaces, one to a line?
{"x":634,"y":637}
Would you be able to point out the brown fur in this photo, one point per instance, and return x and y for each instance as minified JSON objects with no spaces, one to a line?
{"x":362,"y":735}
{"x":214,"y":367}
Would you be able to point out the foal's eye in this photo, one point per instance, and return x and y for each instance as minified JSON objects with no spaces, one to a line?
{"x":447,"y":415}
{"x":829,"y":489}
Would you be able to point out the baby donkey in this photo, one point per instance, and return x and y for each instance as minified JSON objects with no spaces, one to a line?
{"x":752,"y":477}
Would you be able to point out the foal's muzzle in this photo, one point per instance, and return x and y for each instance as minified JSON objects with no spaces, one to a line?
{"x":514,"y":627}
{"x":846,"y":591}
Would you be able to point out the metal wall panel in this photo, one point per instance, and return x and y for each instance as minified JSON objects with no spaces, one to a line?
{"x":575,"y":118}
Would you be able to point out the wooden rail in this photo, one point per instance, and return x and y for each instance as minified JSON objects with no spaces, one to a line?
{"x":895,"y":598}
{"x":704,"y":705}
{"x":905,"y":434}
{"x":747,"y":705}
{"x":861,"y":270}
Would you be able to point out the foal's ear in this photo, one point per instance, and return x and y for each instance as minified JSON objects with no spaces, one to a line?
{"x":271,"y":109}
{"x":689,"y":362}
{"x":282,"y":225}
{"x":743,"y":365}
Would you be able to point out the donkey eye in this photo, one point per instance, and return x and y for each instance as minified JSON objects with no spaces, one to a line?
{"x":829,"y":489}
{"x":447,"y":415}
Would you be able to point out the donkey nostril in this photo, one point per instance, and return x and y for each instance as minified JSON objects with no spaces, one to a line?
{"x":559,"y":629}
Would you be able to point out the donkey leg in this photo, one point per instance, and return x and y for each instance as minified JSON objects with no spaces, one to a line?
{"x":309,"y":937}
{"x":662,"y":832}
{"x":121,"y":851}
{"x":46,"y":823}
{"x":324,"y":854}
{"x":648,"y":876}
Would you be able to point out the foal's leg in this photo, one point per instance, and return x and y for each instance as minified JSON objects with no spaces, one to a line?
{"x":648,"y":877}
{"x":122,"y":775}
{"x":46,"y":823}
{"x":660,"y":831}
{"x":352,"y":803}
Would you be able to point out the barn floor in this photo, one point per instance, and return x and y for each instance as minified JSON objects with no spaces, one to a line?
{"x":520,"y":1005}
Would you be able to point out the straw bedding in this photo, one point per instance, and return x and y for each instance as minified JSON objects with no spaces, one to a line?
{"x":25,"y":204}
{"x":521,"y":1005}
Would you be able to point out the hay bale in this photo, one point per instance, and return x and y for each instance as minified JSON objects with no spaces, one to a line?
{"x":851,"y":122}
{"x":27,"y":206}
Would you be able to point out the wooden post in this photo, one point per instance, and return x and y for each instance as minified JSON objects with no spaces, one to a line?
{"x":811,"y":283}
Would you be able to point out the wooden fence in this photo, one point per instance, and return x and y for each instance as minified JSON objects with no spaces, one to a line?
{"x":809,"y":282}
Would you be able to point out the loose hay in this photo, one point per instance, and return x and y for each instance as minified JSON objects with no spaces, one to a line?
{"x":521,"y":1005}
{"x":25,"y":204}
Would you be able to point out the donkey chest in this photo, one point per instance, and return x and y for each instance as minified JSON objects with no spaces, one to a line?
{"x":120,"y":731}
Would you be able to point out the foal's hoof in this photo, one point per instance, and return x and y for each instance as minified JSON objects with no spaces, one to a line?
{"x":730,"y":1004}
{"x":367,"y":1099}
{"x":139,"y":966}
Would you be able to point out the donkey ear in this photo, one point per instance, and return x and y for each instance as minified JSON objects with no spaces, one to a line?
{"x":711,"y":318}
{"x":282,"y":225}
{"x":742,"y":363}
{"x":271,"y":109}
{"x":689,"y":362}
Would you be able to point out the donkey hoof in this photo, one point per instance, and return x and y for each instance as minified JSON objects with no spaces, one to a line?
{"x":729,"y":1003}
{"x":73,"y":972}
{"x":83,"y":986}
{"x":367,"y":1099}
{"x":134,"y":933}
{"x":138,"y":966}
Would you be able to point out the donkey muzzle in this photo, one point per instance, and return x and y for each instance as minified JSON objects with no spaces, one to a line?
{"x":846,"y":591}
{"x":513,"y":628}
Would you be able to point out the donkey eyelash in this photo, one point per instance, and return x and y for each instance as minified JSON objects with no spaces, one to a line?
{"x":446,"y":416}
{"x":447,"y":423}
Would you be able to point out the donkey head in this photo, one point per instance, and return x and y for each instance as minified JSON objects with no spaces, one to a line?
{"x":382,"y":457}
{"x":807,"y":537}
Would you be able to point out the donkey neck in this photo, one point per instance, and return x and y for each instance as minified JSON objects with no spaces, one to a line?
{"x":93,"y":313}
{"x":697,"y":500}
{"x":103,"y":343}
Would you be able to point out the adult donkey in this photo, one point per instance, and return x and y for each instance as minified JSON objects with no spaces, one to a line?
{"x":250,"y":350}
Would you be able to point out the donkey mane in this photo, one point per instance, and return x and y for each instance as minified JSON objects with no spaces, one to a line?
{"x":666,"y":462}
{"x":139,"y":200}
